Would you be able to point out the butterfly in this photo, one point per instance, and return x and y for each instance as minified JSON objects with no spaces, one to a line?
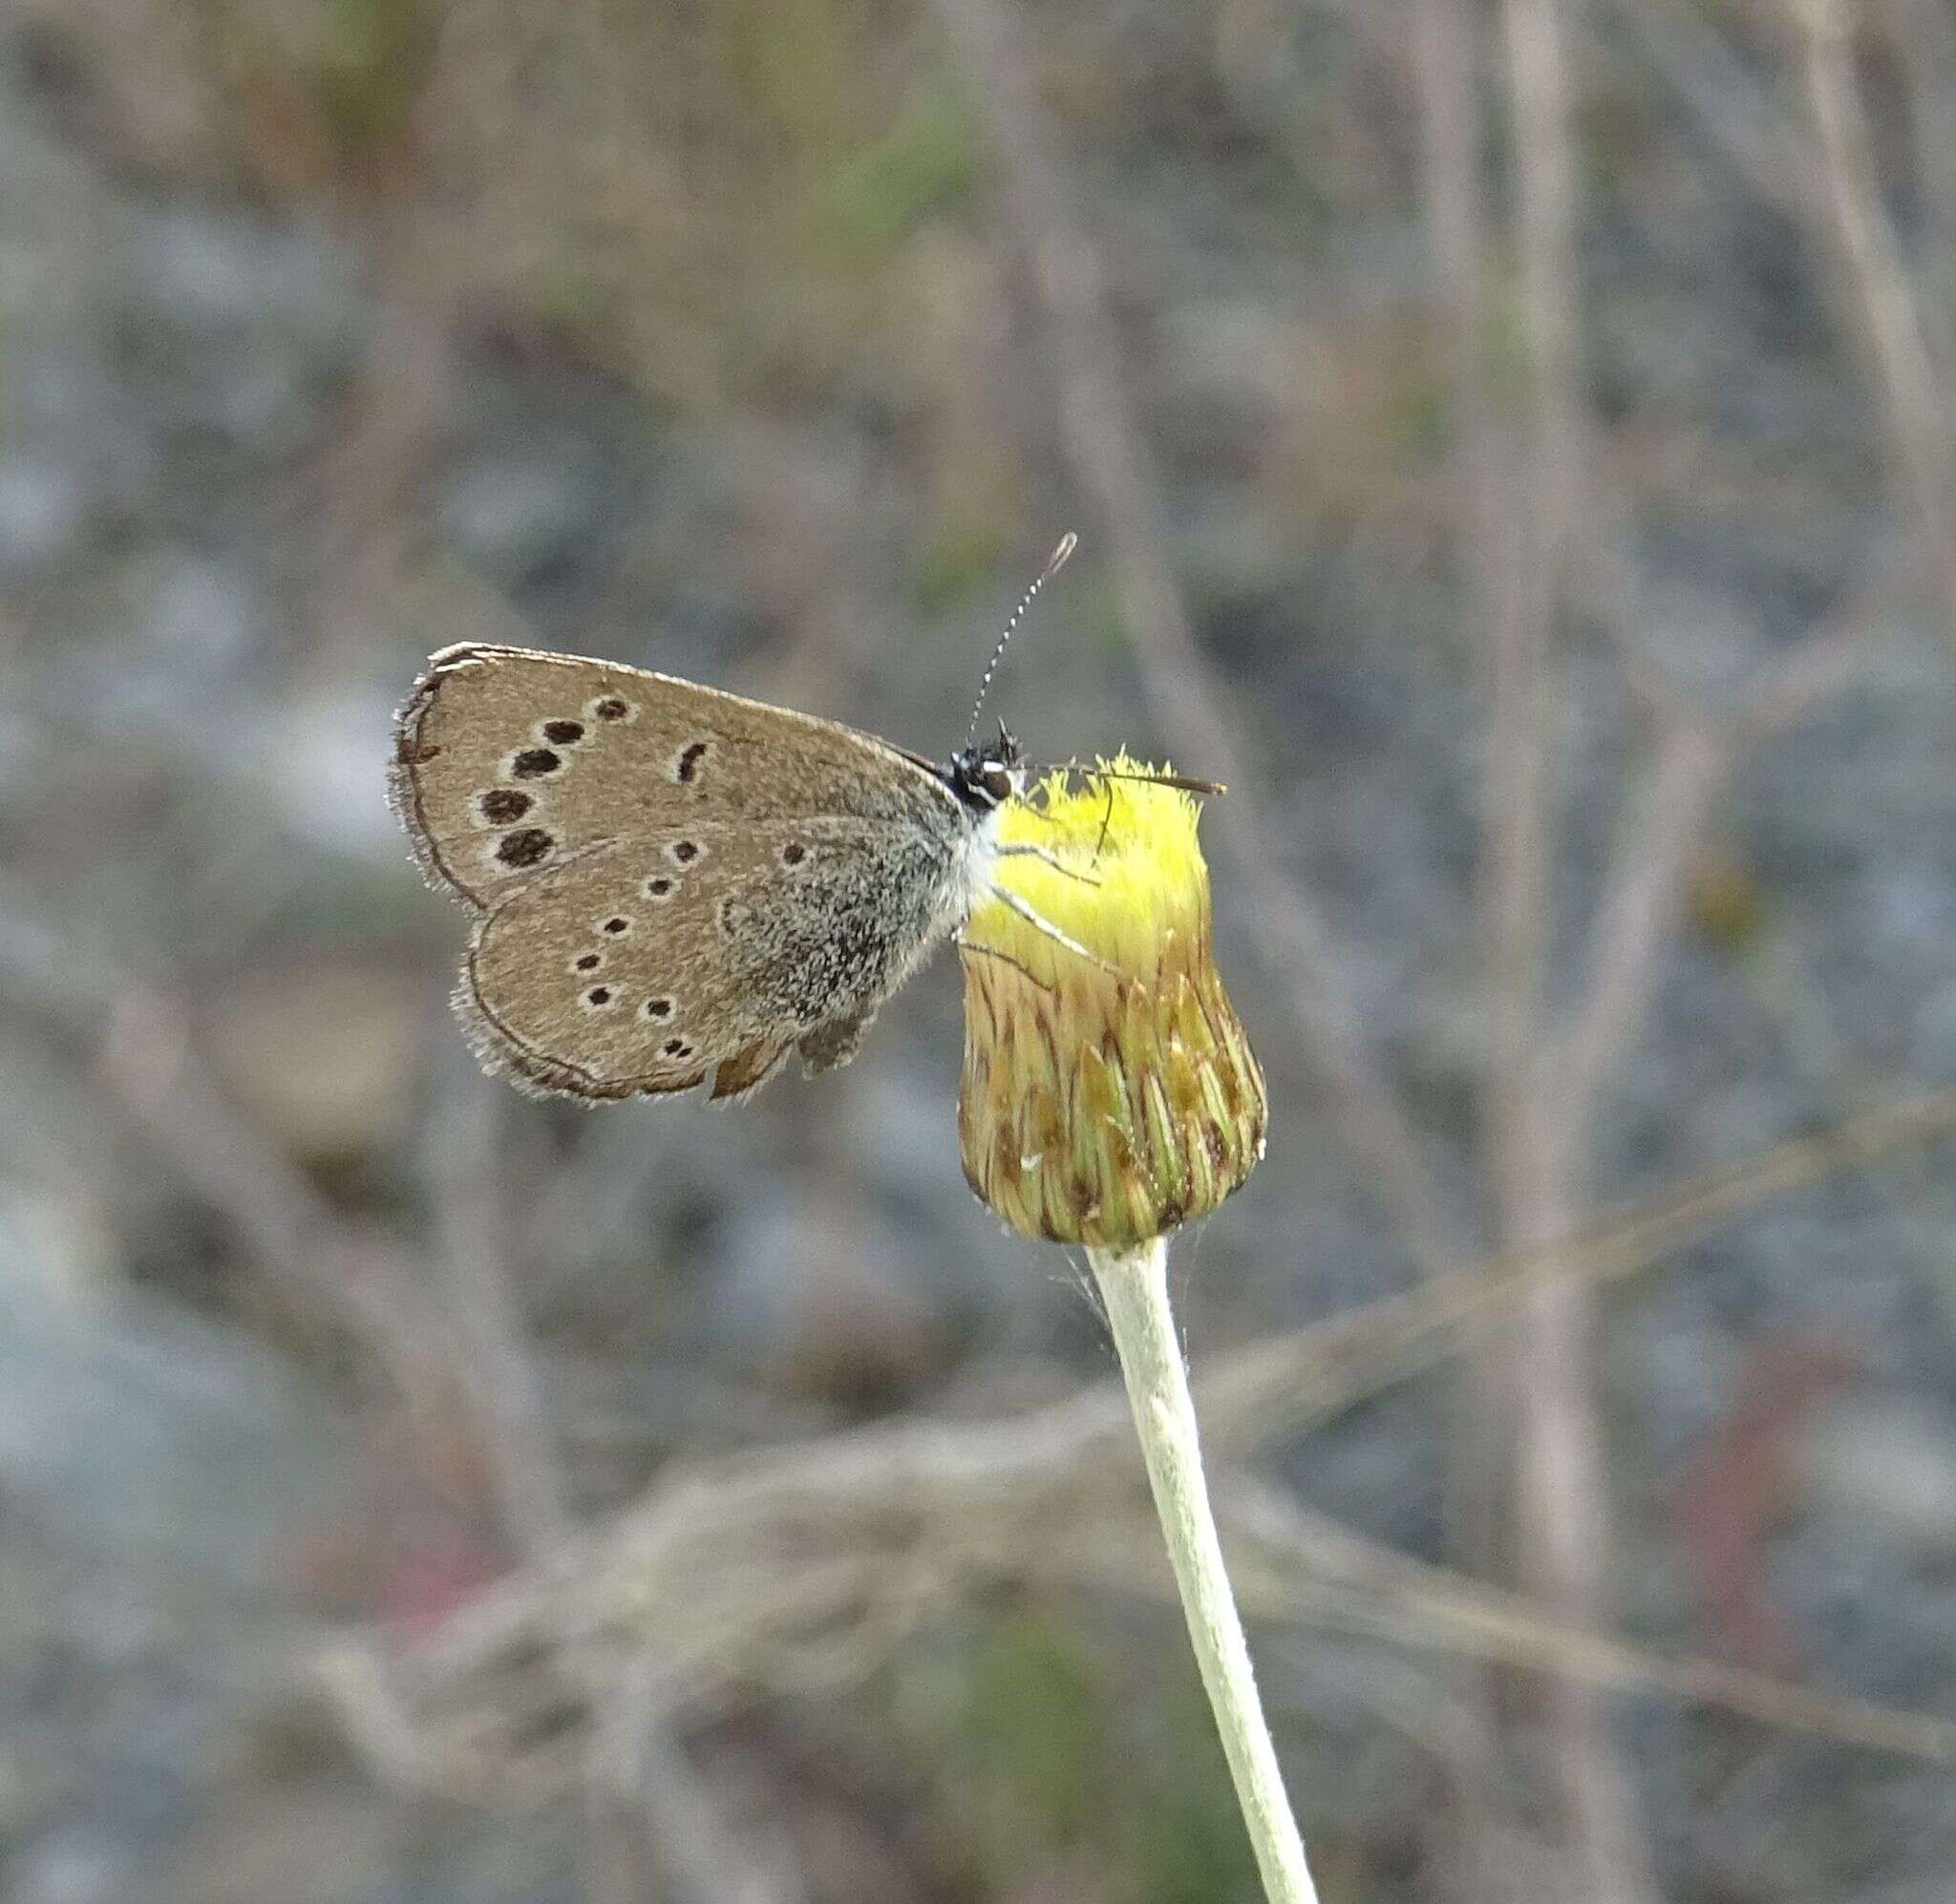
{"x":675,"y":886}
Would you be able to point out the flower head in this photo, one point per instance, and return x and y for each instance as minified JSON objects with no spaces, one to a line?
{"x":1109,"y":1093}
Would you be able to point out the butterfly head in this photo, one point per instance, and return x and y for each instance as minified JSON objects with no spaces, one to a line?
{"x":988,"y":774}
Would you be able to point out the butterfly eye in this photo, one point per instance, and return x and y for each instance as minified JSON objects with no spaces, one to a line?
{"x":997,"y":784}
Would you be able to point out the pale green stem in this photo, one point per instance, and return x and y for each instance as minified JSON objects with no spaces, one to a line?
{"x":1133,"y":1285}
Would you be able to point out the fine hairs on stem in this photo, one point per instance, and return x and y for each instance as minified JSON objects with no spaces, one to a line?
{"x":1134,"y":1286}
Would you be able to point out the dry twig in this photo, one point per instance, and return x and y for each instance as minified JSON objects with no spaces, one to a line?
{"x":811,"y":1562}
{"x":1916,"y":419}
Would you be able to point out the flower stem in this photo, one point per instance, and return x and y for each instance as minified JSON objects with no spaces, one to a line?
{"x":1133,"y":1285}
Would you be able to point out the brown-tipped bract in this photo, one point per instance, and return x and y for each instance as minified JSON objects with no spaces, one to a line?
{"x":1105,"y":1100}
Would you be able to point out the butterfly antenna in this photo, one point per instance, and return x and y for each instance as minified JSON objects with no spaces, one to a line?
{"x":1054,"y":562}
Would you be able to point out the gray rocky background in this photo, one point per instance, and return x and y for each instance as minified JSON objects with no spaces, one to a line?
{"x":703,"y":338}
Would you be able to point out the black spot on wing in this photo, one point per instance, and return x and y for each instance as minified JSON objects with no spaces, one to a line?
{"x":526,"y":847}
{"x":503,"y":805}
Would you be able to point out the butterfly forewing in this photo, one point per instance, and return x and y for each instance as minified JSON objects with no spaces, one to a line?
{"x":675,"y":883}
{"x":511,"y":759}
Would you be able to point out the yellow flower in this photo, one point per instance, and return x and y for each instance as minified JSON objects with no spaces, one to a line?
{"x":1106,"y":1099}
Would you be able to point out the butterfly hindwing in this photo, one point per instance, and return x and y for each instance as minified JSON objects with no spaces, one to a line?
{"x":648,"y":964}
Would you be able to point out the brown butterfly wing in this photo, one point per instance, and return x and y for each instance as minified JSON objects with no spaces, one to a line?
{"x":509,"y":761}
{"x":628,"y":969}
{"x":672,"y":883}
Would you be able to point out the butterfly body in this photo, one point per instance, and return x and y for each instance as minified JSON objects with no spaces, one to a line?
{"x":674,"y":885}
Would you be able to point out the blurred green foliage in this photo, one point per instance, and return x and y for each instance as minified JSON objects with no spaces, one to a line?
{"x":1035,"y":1773}
{"x":923,"y":168}
{"x":373,"y":58}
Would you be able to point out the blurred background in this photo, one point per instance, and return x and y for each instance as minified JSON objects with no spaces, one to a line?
{"x":1509,"y":443}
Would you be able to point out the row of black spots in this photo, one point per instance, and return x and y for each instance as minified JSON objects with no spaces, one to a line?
{"x":555,"y":738}
{"x":521,"y":846}
{"x":656,"y":1009}
{"x":601,"y":997}
{"x":616,"y":926}
{"x":606,"y":994}
{"x":505,"y":806}
{"x":662,"y":886}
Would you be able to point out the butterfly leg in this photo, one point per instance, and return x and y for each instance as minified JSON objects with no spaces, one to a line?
{"x":1013,"y":902}
{"x":1106,"y":821}
{"x":1030,"y":976}
{"x":828,"y":1046}
{"x":1040,"y":851}
{"x":1045,"y":859}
